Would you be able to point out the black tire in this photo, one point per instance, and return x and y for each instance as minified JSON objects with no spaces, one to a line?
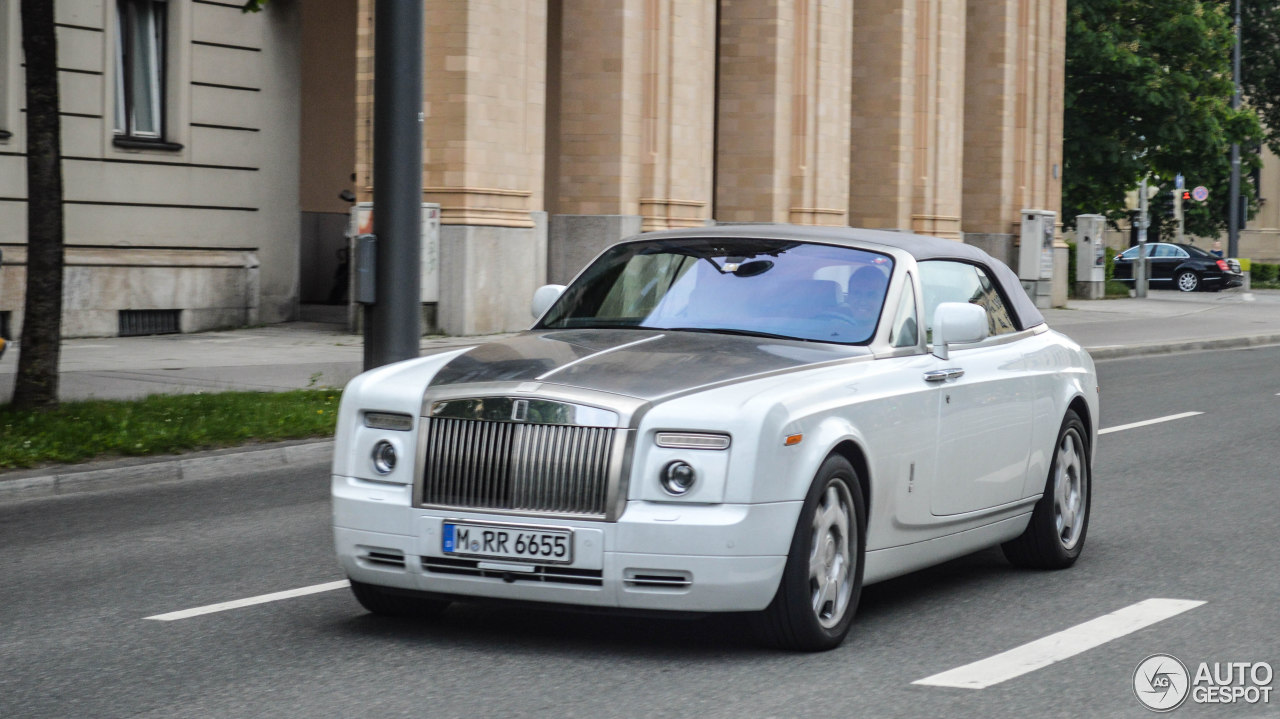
{"x":388,"y":602}
{"x":1043,"y":544}
{"x":791,"y":621}
{"x":1187,"y":281}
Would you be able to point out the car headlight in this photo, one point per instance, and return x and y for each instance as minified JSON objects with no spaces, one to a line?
{"x":677,"y":478}
{"x":384,"y":457}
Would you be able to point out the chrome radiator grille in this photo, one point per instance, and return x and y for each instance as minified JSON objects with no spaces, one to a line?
{"x":516,"y":467}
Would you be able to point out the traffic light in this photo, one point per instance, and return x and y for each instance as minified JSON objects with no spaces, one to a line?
{"x":1186,"y":195}
{"x":1167,"y":209}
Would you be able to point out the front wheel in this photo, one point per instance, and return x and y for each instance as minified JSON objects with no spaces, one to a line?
{"x":822,"y":580}
{"x":1055,"y":535}
{"x":1188,"y":281}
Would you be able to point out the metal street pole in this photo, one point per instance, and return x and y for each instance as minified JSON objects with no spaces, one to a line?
{"x":1177,"y":215}
{"x":1140,"y":267}
{"x":393,"y":322}
{"x":1233,"y":202}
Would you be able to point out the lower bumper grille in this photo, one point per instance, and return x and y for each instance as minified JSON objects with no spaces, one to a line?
{"x":546,"y":574}
{"x":535,"y":468}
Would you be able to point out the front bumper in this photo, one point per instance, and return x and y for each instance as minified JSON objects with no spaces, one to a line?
{"x":657,"y":556}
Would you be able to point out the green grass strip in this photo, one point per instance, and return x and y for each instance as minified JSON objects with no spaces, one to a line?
{"x":162,"y":424}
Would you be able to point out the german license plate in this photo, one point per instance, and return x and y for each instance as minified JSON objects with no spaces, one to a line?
{"x":510,"y":542}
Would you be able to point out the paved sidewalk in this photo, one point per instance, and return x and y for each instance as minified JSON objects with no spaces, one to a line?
{"x":298,"y":354}
{"x":295,"y":355}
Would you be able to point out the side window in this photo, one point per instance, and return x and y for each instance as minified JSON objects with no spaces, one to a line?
{"x":141,"y":53}
{"x":946,"y":281}
{"x":905,"y":331}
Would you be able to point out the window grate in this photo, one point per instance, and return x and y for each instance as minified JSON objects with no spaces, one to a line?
{"x":135,"y":323}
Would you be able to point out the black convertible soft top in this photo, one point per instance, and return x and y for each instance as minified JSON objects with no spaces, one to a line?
{"x":921,"y":247}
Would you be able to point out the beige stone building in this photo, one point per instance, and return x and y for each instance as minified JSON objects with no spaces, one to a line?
{"x":207,"y":193}
{"x":180,"y":165}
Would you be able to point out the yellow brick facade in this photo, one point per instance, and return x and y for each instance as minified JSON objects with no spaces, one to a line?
{"x":936,"y":116}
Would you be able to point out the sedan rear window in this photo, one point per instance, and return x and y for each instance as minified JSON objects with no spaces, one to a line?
{"x":773,"y":288}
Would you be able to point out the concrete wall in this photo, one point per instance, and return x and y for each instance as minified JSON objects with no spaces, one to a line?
{"x":228,"y":181}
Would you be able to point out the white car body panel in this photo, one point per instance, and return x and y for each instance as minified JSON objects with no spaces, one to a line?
{"x":949,"y":467}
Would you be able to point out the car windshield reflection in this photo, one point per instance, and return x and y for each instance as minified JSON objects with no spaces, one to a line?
{"x":767,"y":288}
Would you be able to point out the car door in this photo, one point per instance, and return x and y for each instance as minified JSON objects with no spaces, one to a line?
{"x":984,"y":398}
{"x":1164,"y":260}
{"x":1123,"y":266}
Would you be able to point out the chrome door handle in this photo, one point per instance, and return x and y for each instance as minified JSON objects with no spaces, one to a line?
{"x":942,"y":375}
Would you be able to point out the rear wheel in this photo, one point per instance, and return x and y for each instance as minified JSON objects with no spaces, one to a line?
{"x":391,"y":603}
{"x":1055,"y":536}
{"x":1188,"y":281}
{"x":822,"y":580}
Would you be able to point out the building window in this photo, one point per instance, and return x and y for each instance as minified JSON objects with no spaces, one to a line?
{"x":140,"y":71}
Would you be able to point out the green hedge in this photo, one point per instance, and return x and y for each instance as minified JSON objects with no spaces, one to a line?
{"x":1264,"y":272}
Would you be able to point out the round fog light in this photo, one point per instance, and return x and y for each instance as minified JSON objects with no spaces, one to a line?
{"x":384,"y":457}
{"x":677,"y":478}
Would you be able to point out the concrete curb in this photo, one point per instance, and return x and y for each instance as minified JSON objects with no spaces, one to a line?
{"x":114,"y":474}
{"x":1163,"y":348}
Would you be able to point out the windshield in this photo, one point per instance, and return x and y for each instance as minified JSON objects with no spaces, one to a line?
{"x":772,"y":288}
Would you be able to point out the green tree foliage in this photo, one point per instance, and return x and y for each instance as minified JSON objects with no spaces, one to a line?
{"x":1148,"y":90}
{"x":1260,"y":62}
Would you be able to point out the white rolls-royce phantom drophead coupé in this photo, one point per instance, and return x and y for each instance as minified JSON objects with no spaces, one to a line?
{"x":747,"y":418}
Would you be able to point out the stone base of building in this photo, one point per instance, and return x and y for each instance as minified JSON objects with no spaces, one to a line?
{"x":113,"y":291}
{"x":488,"y":276}
{"x":1091,"y":290}
{"x":1000,"y":246}
{"x":577,"y":239}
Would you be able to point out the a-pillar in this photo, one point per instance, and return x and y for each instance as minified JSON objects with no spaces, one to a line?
{"x":783,"y":130}
{"x":633,"y":82}
{"x":908,"y":115}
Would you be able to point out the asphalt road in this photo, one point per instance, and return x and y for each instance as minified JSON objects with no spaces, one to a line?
{"x":1183,"y":509}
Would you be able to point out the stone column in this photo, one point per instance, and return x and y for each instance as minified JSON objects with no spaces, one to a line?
{"x":634,"y":135}
{"x":1013,"y":118}
{"x":908,"y":124}
{"x":939,"y":122}
{"x":784,"y":111}
{"x":483,"y":117}
{"x":882,"y":150}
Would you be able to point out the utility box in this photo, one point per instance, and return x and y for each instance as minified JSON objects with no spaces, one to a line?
{"x":1091,"y":257}
{"x":1035,"y":256}
{"x":429,"y":273}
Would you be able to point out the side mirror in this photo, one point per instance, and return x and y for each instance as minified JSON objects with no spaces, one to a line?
{"x":957,"y":323}
{"x":544,"y":298}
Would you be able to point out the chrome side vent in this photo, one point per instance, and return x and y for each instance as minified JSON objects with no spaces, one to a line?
{"x":657,"y":579}
{"x":546,"y":574}
{"x":382,"y":558}
{"x":534,"y":468}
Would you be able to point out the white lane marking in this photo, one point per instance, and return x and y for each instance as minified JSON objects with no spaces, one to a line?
{"x":250,"y":601}
{"x":1062,"y":645}
{"x":1146,"y":422}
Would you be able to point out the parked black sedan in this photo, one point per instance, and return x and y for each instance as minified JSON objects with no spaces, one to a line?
{"x":1183,"y":267}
